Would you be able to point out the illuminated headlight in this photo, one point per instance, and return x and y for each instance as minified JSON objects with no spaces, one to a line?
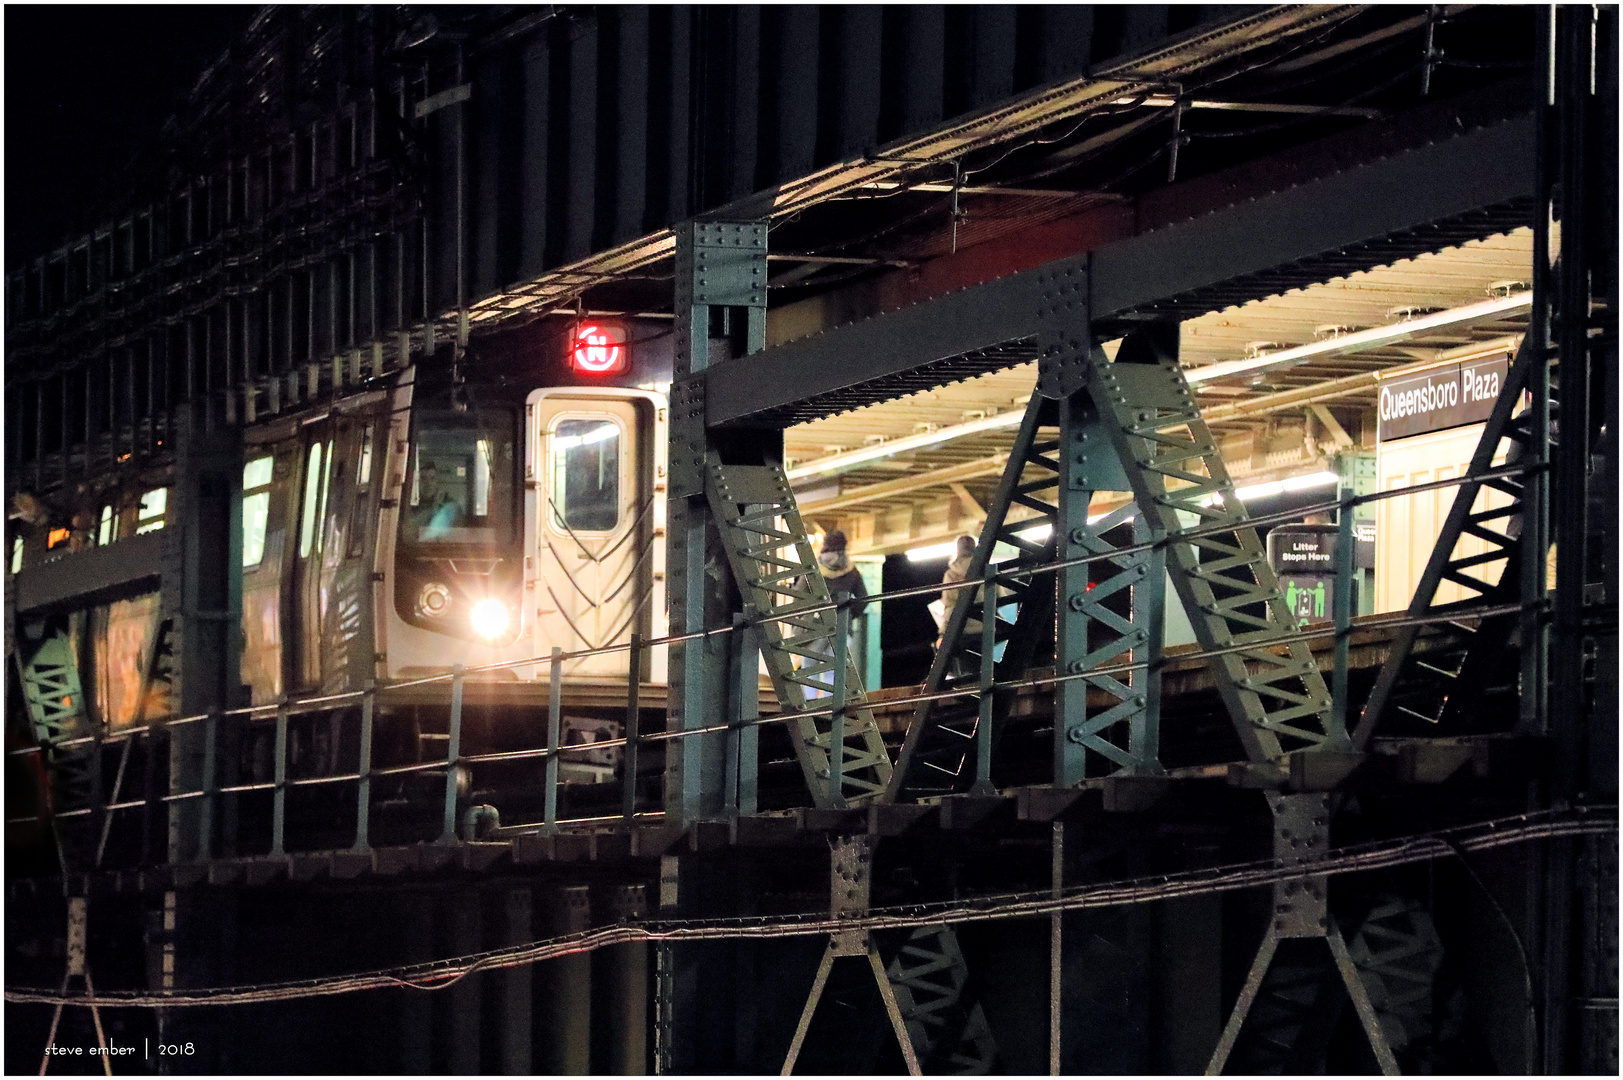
{"x":434,"y":600}
{"x":489,"y":618}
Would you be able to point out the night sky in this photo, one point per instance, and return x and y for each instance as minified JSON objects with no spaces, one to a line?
{"x":86,"y":86}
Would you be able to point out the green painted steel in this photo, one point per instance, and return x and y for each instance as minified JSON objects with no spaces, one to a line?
{"x":1277,"y":698}
{"x":772,"y":561}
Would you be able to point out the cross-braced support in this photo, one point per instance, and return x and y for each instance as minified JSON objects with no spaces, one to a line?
{"x":1109,"y":614}
{"x":720,"y":313}
{"x":938,"y":1026}
{"x":1279,"y":703}
{"x":940,"y":749}
{"x":1434,"y":672}
{"x":1055,"y":476}
{"x":772,"y":561}
{"x":57,"y":709}
{"x":1282,"y":1019}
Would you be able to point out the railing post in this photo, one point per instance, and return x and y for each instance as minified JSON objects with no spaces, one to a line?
{"x":211,"y":784}
{"x":363,"y":787}
{"x":555,"y":709}
{"x":149,"y":812}
{"x":743,"y":707}
{"x":628,"y":757}
{"x":1342,"y":601}
{"x":983,"y":726}
{"x":836,"y":733}
{"x":279,"y":798}
{"x":453,"y":751}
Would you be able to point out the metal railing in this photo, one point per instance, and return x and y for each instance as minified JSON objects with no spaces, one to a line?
{"x":457,"y":764}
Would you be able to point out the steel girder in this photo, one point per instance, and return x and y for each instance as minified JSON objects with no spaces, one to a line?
{"x":720,"y":284}
{"x":1281,"y":1022}
{"x":946,"y":735}
{"x":777,"y":574}
{"x":1095,"y":623}
{"x":1466,"y":187}
{"x":48,"y":667}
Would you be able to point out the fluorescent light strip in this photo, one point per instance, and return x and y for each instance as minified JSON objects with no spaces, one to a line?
{"x":851,"y":459}
{"x":1279,"y":487}
{"x":1365,"y":339}
{"x":1041,"y":531}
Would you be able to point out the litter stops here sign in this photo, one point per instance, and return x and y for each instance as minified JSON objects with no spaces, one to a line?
{"x":1304,"y":558}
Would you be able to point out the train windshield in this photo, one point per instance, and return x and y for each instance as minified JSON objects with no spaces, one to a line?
{"x":461,"y":486}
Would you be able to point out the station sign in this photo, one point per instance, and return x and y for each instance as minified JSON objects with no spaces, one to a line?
{"x":1442,"y":398}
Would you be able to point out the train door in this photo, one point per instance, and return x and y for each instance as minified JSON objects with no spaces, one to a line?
{"x":594,"y":505}
{"x":309,"y":594}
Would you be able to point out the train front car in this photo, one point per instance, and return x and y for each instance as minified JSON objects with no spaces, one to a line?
{"x":525,"y":518}
{"x":524,"y":510}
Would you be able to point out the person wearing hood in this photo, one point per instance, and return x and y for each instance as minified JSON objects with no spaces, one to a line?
{"x":844,"y":585}
{"x":843,"y":581}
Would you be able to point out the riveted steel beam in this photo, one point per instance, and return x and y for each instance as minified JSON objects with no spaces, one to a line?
{"x":1470,"y":186}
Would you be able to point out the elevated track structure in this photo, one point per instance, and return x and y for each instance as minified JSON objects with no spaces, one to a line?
{"x":1379,"y":842}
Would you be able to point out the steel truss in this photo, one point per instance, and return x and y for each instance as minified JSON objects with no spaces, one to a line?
{"x":938,"y":1026}
{"x":49,"y":671}
{"x":1439,"y":675}
{"x":805,"y":641}
{"x":1110,"y":612}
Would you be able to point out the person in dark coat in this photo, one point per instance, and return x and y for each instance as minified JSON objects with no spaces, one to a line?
{"x":843,"y":580}
{"x":844,"y":584}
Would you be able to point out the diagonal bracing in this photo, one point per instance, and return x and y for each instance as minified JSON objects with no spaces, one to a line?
{"x":1274,"y":692}
{"x":1433,"y":671}
{"x":939,"y":754}
{"x":777,"y":575}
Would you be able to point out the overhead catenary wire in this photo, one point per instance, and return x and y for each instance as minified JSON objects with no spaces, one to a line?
{"x":1372,"y":855}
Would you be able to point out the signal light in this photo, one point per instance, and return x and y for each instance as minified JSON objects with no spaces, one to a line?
{"x":600,"y":349}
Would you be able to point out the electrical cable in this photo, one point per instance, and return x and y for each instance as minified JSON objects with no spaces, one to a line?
{"x":435,"y":975}
{"x":1302,"y":118}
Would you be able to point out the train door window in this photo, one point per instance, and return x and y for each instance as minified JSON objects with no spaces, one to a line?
{"x":363,"y":477}
{"x":315,"y":499}
{"x":109,"y":526}
{"x":585,"y":472}
{"x":149,"y":515}
{"x":256,"y":479}
{"x":16,"y":554}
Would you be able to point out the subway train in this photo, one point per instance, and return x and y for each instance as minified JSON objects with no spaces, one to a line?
{"x":480,"y":519}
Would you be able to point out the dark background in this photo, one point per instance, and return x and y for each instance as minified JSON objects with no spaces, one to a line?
{"x":86,"y":88}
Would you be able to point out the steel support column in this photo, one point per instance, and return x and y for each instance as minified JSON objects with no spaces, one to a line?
{"x":202,"y":597}
{"x":720,"y":313}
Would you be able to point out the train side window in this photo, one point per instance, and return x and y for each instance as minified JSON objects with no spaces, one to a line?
{"x":586,"y":474}
{"x":149,"y":516}
{"x":363,"y":473}
{"x":16,"y":554}
{"x":109,"y":526}
{"x":256,"y":479}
